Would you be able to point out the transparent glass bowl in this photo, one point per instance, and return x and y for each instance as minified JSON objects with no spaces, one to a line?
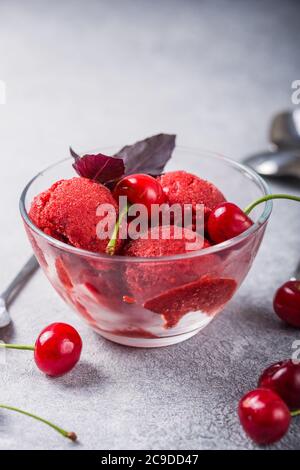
{"x":134,"y":301}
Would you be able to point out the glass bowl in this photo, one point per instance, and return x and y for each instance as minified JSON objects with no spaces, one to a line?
{"x":148,"y":302}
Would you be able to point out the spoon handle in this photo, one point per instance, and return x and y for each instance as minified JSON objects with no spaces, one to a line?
{"x":17,"y":283}
{"x":296,"y":275}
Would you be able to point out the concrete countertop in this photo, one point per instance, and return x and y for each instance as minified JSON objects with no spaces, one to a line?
{"x":104,"y":72}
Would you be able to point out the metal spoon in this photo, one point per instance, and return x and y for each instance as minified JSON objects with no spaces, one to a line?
{"x":285,"y":129}
{"x":284,"y":162}
{"x":296,"y":275}
{"x":14,"y":288}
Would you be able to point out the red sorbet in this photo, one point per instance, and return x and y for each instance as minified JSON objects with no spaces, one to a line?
{"x":207,"y":295}
{"x":67,"y":211}
{"x":166,"y":240}
{"x":181,"y":187}
{"x":146,"y":280}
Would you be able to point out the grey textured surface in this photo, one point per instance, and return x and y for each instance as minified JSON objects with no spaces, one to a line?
{"x":93,"y":73}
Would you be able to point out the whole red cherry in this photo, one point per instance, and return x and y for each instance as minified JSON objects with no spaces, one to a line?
{"x":140,"y":189}
{"x":287,"y":303}
{"x":227,"y":221}
{"x":57,"y":349}
{"x":264,"y":416}
{"x":284,"y":379}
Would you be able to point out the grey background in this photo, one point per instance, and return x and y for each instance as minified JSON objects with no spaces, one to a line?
{"x":92,"y":73}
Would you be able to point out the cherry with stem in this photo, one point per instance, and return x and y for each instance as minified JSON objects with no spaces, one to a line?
{"x":264,"y":415}
{"x":57,"y":349}
{"x":139,"y":189}
{"x":283,"y":378}
{"x":227,"y":220}
{"x":286,"y":302}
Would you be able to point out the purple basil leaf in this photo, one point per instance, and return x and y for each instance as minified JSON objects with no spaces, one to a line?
{"x":98,"y":167}
{"x":149,"y":155}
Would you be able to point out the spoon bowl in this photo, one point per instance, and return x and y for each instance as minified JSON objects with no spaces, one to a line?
{"x":280,"y":163}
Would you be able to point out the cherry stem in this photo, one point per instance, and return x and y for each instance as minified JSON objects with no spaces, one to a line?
{"x":69,"y":435}
{"x":269,"y":197}
{"x":111,"y":246}
{"x":24,"y":347}
{"x":295,"y":413}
